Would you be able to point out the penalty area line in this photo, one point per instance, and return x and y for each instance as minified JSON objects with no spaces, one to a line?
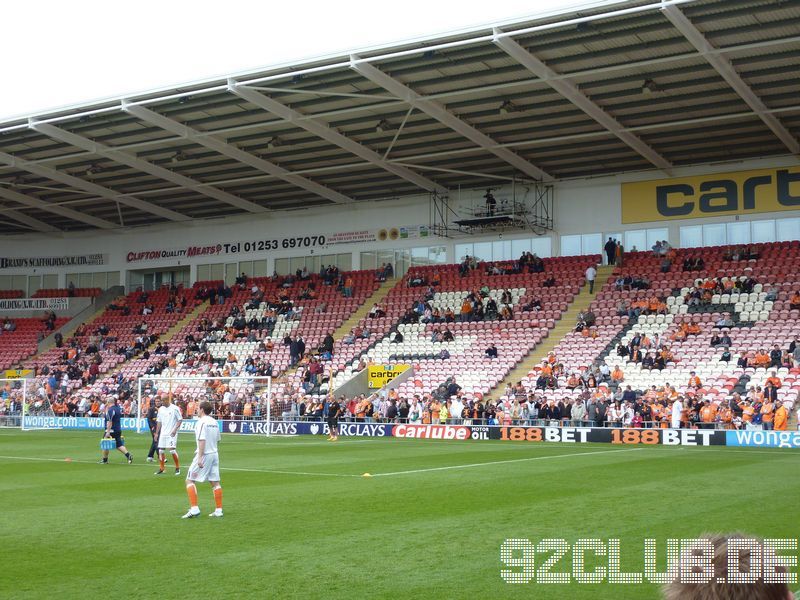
{"x":504,"y":462}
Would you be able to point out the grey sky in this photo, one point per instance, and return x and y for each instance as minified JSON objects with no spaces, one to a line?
{"x":60,"y":53}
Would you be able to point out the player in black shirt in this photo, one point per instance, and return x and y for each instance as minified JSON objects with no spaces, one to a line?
{"x":114,"y":430}
{"x":334,"y":410}
{"x":152,"y":423}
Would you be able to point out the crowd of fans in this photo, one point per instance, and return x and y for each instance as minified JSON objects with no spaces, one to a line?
{"x":600,"y":396}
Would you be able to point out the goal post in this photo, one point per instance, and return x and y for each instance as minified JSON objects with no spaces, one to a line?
{"x":13,"y":401}
{"x":243,"y":397}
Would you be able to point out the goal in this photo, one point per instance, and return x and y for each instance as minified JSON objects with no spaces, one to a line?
{"x":23,"y":402}
{"x":234,"y":398}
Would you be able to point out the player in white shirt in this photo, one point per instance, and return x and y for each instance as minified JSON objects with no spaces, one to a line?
{"x":205,"y":466}
{"x":168,"y":422}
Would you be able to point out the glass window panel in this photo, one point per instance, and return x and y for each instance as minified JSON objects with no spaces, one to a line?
{"x":49,"y":281}
{"x":570,"y":245}
{"x":520,"y":246}
{"x":260,"y":268}
{"x":691,"y":236}
{"x":99,"y":280}
{"x":231,"y":273}
{"x":217,"y":272}
{"x":112,"y":278}
{"x":762,"y":231}
{"x":591,"y":243}
{"x":463,"y":250}
{"x":635,"y":238}
{"x":738,"y":232}
{"x":542,"y":247}
{"x":501,"y":250}
{"x":402,"y":263}
{"x":787,"y":229}
{"x":714,"y":234}
{"x":437,"y":254}
{"x":369,"y":261}
{"x":85,"y":280}
{"x":296,"y":263}
{"x":34,"y":284}
{"x":345,"y":261}
{"x":20,"y":282}
{"x":282,"y":266}
{"x":5,"y":282}
{"x":482,"y":250}
{"x":203,"y":272}
{"x":246,"y":267}
{"x":657,"y":234}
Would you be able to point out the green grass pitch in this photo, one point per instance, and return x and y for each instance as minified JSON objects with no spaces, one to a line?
{"x":301,"y":521}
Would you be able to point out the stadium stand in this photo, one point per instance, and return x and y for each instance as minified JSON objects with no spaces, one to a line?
{"x":744,"y":294}
{"x":11,"y":294}
{"x":19,"y":343}
{"x":733,"y":301}
{"x":246,"y":332}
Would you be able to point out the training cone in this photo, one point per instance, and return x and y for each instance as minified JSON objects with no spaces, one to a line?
{"x":366,"y":475}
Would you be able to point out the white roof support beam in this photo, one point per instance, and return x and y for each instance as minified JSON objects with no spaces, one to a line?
{"x":571,"y":92}
{"x":92,"y":188}
{"x":143,"y":165}
{"x":322,"y":130}
{"x":724,"y":67}
{"x":186,"y":132}
{"x":55,"y":209}
{"x":441,"y":114}
{"x":34,"y":224}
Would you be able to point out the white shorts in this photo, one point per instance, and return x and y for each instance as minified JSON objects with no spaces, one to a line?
{"x":209,"y":471}
{"x":167,"y":442}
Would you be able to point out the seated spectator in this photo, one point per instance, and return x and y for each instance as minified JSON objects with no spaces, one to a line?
{"x":533,"y":305}
{"x":724,"y":321}
{"x":617,"y":375}
{"x":761,"y":359}
{"x":491,"y":351}
{"x":376,"y":312}
{"x":694,"y":381}
{"x":726,"y":355}
{"x":794,"y":303}
{"x":775,"y":358}
{"x":398,"y":338}
{"x":549,"y":282}
{"x":447,"y":335}
{"x":666,"y":265}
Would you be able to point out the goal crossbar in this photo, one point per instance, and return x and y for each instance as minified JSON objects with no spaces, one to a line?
{"x":225,"y":393}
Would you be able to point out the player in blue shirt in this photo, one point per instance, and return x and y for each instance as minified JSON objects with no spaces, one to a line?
{"x":114,"y":430}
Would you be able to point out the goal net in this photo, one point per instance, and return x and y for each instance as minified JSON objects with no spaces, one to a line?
{"x":234,"y":398}
{"x":24,"y":401}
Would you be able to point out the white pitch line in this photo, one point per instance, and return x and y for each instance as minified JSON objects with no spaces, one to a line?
{"x":92,"y":462}
{"x":503,"y":462}
{"x":289,"y":472}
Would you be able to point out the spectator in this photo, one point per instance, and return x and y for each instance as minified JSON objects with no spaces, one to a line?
{"x":610,"y":249}
{"x":591,"y":274}
{"x":491,"y":351}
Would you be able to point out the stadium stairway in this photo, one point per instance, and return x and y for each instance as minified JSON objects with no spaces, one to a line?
{"x":168,"y":336}
{"x":86,"y":317}
{"x":378,"y":296}
{"x":563,"y":326}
